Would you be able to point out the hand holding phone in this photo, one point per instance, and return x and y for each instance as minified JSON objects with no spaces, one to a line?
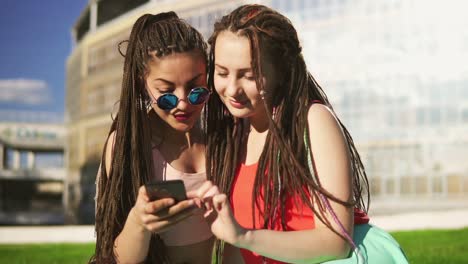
{"x":166,"y":189}
{"x":159,"y":213}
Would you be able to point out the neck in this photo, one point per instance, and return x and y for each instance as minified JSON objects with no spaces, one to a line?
{"x":177,"y":138}
{"x":162,"y":133}
{"x":254,"y":140}
{"x":259,"y":122}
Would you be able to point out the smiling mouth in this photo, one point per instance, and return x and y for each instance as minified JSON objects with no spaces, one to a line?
{"x":237,"y":104}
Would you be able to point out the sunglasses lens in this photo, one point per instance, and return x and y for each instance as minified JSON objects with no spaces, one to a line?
{"x":198,"y":95}
{"x":167,"y":101}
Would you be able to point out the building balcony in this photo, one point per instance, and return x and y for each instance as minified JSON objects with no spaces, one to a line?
{"x":54,"y":174}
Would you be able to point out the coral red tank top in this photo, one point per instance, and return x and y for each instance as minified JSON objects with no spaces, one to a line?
{"x":241,"y":203}
{"x":297,"y":218}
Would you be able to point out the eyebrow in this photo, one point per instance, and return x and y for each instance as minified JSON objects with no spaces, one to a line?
{"x":171,"y":83}
{"x":241,"y":70}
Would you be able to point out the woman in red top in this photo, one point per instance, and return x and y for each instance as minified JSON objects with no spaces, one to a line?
{"x":291,"y":173}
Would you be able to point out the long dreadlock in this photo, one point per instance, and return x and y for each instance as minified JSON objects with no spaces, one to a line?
{"x":151,"y":36}
{"x":273,"y":41}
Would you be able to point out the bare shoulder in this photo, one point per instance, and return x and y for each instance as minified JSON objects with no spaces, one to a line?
{"x":332,"y":161}
{"x":109,"y":152}
{"x":321,"y":119}
{"x":330,"y":150}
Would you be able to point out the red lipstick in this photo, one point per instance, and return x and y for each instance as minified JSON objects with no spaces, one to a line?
{"x":182,"y":117}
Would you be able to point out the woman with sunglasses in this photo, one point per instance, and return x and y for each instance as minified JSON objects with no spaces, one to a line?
{"x":295,"y":187}
{"x":156,"y":136}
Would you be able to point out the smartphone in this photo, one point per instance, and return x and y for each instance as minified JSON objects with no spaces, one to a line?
{"x":166,"y":189}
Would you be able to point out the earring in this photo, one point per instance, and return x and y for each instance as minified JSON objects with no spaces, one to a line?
{"x":262,"y":94}
{"x":148,"y":106}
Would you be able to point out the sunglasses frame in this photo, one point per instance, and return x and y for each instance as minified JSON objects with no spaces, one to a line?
{"x":157,"y":100}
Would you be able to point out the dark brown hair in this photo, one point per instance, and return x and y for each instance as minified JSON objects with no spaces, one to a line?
{"x":274,"y":43}
{"x":151,"y":36}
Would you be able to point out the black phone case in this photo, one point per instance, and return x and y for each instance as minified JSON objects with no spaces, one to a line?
{"x":167,"y":189}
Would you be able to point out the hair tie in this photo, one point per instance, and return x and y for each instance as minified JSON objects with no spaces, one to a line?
{"x":252,"y":13}
{"x":120,"y":47}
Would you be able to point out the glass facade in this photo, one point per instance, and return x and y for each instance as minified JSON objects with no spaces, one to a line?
{"x":48,"y":160}
{"x":393,"y":71}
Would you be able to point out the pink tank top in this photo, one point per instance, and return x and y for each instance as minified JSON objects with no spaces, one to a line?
{"x":193,"y":229}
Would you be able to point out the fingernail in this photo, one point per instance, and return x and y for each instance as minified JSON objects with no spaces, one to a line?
{"x":207,"y":213}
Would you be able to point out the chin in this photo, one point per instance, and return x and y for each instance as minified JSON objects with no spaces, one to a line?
{"x":181,"y":127}
{"x":239,"y":113}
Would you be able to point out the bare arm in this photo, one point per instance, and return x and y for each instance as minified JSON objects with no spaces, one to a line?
{"x":131,"y":245}
{"x":319,"y":244}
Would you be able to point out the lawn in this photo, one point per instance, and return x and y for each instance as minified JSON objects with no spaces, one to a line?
{"x":46,"y":253}
{"x":435,"y":246}
{"x":421,"y":247}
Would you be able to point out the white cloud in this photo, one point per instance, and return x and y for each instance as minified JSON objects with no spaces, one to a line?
{"x":24,"y":91}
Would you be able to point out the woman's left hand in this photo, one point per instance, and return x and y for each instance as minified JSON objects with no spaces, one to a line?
{"x":223,"y":224}
{"x":218,"y":214}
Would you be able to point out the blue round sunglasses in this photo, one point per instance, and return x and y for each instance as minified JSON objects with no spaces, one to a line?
{"x":196,"y":96}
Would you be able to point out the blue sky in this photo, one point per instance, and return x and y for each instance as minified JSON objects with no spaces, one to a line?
{"x":34,"y":46}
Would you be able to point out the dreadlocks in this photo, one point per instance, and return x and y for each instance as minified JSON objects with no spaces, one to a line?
{"x":151,"y":36}
{"x":274,"y":42}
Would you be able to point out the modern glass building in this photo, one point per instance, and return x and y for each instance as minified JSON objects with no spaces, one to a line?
{"x":392,"y":69}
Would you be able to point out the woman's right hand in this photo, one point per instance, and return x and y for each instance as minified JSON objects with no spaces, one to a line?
{"x":160,"y":215}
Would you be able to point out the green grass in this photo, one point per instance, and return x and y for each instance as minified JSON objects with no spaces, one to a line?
{"x":46,"y":253}
{"x":435,"y":246}
{"x":421,"y":247}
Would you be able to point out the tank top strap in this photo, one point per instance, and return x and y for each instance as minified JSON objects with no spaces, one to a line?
{"x":159,"y":165}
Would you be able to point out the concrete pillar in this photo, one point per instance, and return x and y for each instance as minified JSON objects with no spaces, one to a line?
{"x":93,"y":16}
{"x":82,"y":135}
{"x":31,"y":160}
{"x":16,"y":159}
{"x":398,"y":169}
{"x":2,"y":156}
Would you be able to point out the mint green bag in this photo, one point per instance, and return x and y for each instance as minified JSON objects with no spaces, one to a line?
{"x":374,"y":246}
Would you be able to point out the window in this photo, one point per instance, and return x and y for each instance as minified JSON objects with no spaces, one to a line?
{"x":49,"y":160}
{"x":9,"y":158}
{"x":24,"y":159}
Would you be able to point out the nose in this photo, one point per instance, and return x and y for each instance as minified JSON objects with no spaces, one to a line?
{"x":183,"y":103}
{"x":232,"y":87}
